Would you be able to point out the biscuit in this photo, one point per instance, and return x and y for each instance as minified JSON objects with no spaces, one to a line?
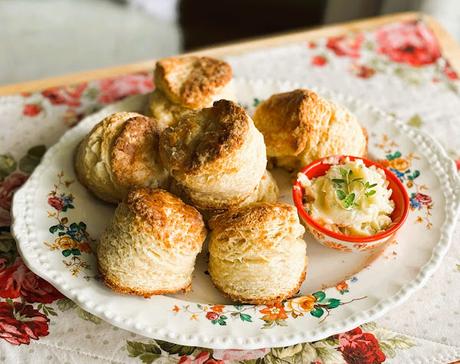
{"x":300,"y":126}
{"x":151,"y":244}
{"x":119,"y":153}
{"x":188,"y":83}
{"x":216,"y":157}
{"x":192,"y":81}
{"x":257,"y":254}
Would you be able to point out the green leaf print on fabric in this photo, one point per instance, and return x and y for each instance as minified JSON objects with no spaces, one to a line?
{"x":7,"y":165}
{"x":8,"y":250}
{"x":175,"y":349}
{"x":368,"y":341}
{"x":147,"y":353}
{"x":30,"y":161}
{"x":66,"y":304}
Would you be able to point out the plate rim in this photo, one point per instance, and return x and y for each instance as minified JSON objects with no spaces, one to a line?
{"x":21,"y":231}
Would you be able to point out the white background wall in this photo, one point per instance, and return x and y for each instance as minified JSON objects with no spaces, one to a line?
{"x":41,"y":38}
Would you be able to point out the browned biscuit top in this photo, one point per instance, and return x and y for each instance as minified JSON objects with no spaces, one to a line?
{"x":191,"y":81}
{"x":168,"y":215}
{"x":286,"y":120}
{"x":203,"y":138}
{"x":135,"y":158}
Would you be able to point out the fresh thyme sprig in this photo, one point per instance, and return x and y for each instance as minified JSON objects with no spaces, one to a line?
{"x":344,"y":191}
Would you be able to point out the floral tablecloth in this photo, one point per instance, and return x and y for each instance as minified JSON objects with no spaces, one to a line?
{"x":397,"y":67}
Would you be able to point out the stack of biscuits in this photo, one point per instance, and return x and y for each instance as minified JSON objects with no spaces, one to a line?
{"x":196,"y":161}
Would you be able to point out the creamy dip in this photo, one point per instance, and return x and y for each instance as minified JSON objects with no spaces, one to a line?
{"x":350,"y":198}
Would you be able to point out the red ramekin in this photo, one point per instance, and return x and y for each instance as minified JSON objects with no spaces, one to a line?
{"x":344,"y":242}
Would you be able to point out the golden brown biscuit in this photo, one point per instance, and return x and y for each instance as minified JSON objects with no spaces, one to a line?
{"x":151,"y":244}
{"x":216,"y":157}
{"x":188,"y":83}
{"x":135,"y":157}
{"x":257,"y":254}
{"x":119,"y":153}
{"x":192,"y":81}
{"x":299,"y":127}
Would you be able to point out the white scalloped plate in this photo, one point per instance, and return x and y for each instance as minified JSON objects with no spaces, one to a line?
{"x":362,"y":286}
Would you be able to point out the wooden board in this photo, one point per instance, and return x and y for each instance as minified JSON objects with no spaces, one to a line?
{"x":449,"y":46}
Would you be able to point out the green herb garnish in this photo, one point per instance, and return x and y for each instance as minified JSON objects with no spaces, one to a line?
{"x":344,"y":191}
{"x":349,"y":201}
{"x":341,"y":195}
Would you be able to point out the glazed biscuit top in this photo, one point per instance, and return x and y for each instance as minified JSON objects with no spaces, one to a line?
{"x":202,"y":140}
{"x":191,"y":81}
{"x":301,"y":111}
{"x":167,"y":216}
